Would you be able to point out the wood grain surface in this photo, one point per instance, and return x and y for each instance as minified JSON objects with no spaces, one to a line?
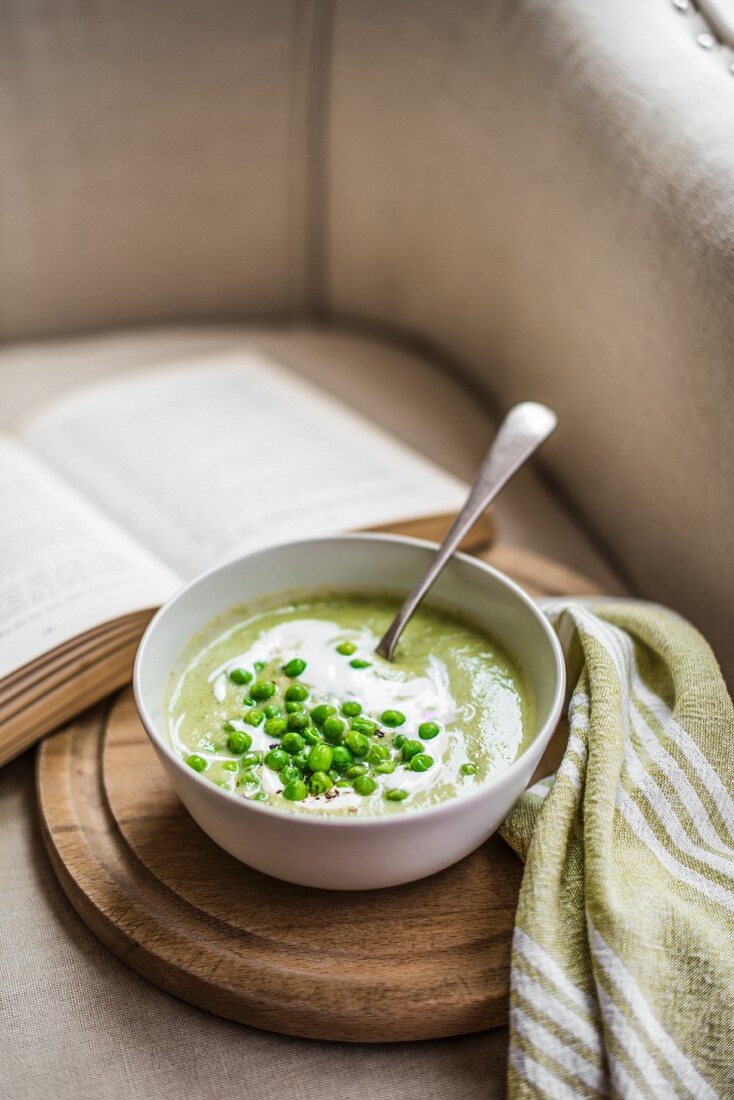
{"x":421,"y":961}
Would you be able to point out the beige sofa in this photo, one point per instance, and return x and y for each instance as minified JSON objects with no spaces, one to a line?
{"x":432,"y":208}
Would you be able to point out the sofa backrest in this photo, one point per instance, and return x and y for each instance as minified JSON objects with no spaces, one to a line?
{"x":542,"y":191}
{"x":153,"y":161}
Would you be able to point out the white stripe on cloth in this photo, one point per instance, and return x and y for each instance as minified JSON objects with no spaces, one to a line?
{"x":642,"y":830}
{"x":575,"y":744}
{"x":540,"y":1078}
{"x":624,"y":1086}
{"x":626,"y":985}
{"x":704,"y":770}
{"x":571,"y":768}
{"x":661,"y":758}
{"x":634,"y":1050}
{"x":621,"y":651}
{"x":579,"y":700}
{"x":538,"y":957}
{"x":666,"y":815}
{"x":571,"y":771}
{"x":568,"y":1059}
{"x":557,"y":1011}
{"x":541,"y":788}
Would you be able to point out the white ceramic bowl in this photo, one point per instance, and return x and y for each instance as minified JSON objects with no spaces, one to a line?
{"x":351,"y":853}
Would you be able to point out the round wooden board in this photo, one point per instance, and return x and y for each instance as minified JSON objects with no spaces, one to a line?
{"x":426,"y":960}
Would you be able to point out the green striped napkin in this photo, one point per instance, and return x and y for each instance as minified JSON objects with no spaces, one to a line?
{"x":623,"y":953}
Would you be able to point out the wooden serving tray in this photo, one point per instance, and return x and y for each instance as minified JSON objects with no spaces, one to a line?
{"x":421,"y":961}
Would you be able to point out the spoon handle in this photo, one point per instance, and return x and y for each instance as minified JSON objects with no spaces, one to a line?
{"x":520,"y":434}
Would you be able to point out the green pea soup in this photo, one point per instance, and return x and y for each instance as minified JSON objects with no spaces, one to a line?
{"x":291,"y":706}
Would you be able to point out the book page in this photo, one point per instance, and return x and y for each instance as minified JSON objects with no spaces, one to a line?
{"x":64,"y":568}
{"x":232,"y":452}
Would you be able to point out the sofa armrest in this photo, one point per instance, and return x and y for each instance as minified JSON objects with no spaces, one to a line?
{"x":543,"y":190}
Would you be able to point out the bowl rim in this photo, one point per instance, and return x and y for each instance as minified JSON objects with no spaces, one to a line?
{"x":485,"y":788}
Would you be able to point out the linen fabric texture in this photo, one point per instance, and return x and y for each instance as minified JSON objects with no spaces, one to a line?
{"x":623,"y":951}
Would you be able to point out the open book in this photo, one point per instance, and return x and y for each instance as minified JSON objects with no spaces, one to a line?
{"x":113,"y":497}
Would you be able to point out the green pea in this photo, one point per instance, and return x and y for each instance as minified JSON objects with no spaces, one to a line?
{"x":400,"y":741}
{"x":251,"y":758}
{"x":364,"y":784}
{"x":294,"y":667}
{"x":288,"y":773}
{"x":468,"y":769}
{"x":239,"y":742}
{"x":311,"y":735}
{"x":259,"y":666}
{"x":253,"y":717}
{"x":259,"y":797}
{"x":352,"y":709}
{"x":341,"y":756}
{"x":295,"y":791}
{"x":276,"y":759}
{"x":292,"y":706}
{"x":355,"y":770}
{"x":292,"y":742}
{"x":320,"y":758}
{"x":229,"y":766}
{"x":359,"y":662}
{"x":387,"y":767}
{"x":301,"y":760}
{"x":248,"y":779}
{"x":392,"y":718}
{"x":377,"y":754}
{"x":228,"y":727}
{"x":320,"y":783}
{"x":395,"y":794}
{"x":333,"y":729}
{"x":346,"y":649}
{"x":248,"y":701}
{"x":296,"y":693}
{"x":428,"y":730}
{"x":343,"y":783}
{"x":321,"y":713}
{"x":272,"y":710}
{"x":263,"y":689}
{"x":275,"y":727}
{"x":298,"y":721}
{"x":363,"y":725}
{"x":358,"y":743}
{"x":333,"y":774}
{"x":410,"y":748}
{"x":240,"y":676}
{"x":421,"y":762}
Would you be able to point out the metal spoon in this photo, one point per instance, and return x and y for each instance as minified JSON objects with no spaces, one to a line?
{"x":520,"y":434}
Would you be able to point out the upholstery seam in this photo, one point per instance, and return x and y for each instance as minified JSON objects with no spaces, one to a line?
{"x":319,"y":29}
